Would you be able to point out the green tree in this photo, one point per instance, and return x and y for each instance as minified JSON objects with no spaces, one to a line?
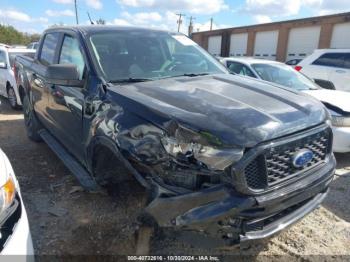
{"x":9,"y":35}
{"x":100,"y":21}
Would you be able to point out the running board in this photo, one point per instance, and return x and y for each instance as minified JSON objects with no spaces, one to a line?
{"x":77,"y":170}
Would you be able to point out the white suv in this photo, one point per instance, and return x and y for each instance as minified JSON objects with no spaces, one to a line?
{"x":8,"y":87}
{"x":330,"y":68}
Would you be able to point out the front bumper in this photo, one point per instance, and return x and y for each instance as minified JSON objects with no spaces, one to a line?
{"x":284,"y":222}
{"x":341,"y":139}
{"x":221,"y":214}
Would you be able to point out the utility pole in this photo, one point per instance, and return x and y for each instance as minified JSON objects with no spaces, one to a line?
{"x":190,"y":27}
{"x":179,"y":22}
{"x":76,"y":12}
{"x":211,"y":24}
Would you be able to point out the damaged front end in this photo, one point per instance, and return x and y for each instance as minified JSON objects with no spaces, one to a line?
{"x":189,"y":176}
{"x":201,"y":187}
{"x":176,"y":158}
{"x":215,"y":194}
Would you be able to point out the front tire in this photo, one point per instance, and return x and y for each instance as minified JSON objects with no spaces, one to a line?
{"x":32,"y":124}
{"x":11,"y":95}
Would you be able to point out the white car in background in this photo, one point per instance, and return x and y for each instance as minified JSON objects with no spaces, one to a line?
{"x":15,"y":237}
{"x":8,"y":86}
{"x":33,"y":45}
{"x":337,"y":102}
{"x":330,"y":68}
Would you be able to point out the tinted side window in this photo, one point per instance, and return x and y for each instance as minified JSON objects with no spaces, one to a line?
{"x":2,"y":57}
{"x":347,"y":61}
{"x":239,"y":69}
{"x":330,"y":59}
{"x":71,"y":54}
{"x":47,"y":54}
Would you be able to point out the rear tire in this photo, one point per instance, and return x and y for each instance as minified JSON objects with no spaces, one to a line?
{"x":11,"y":95}
{"x":32,"y":124}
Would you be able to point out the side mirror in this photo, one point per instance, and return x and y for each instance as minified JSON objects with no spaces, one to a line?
{"x":64,"y":75}
{"x":325,"y":84}
{"x":3,"y":65}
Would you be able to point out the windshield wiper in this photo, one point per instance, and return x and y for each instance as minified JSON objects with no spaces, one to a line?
{"x":194,"y":74}
{"x":187,"y":74}
{"x":136,"y":80}
{"x":131,"y":80}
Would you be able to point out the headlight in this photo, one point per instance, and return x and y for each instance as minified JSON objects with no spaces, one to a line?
{"x":8,"y":184}
{"x":340,"y":121}
{"x":7,"y":194}
{"x":213,"y":158}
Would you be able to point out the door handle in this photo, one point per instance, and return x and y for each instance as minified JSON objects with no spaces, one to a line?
{"x":340,"y":71}
{"x":37,"y":81}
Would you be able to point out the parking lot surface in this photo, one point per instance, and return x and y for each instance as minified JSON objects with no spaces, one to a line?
{"x":65,"y":220}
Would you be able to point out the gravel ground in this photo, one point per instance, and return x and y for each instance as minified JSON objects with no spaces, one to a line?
{"x":64,"y":220}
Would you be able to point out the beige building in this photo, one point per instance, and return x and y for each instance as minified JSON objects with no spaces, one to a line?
{"x":279,"y":40}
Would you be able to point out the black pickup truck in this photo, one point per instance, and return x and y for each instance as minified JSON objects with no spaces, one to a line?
{"x":224,"y":158}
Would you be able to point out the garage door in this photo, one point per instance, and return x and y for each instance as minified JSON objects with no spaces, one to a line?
{"x":266,"y":45}
{"x":214,"y":45}
{"x":341,"y":36}
{"x":302,"y":41}
{"x":238,"y":44}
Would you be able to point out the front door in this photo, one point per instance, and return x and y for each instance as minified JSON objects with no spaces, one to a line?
{"x":66,"y":102}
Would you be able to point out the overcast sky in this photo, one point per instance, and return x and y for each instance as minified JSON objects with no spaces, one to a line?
{"x":34,"y":16}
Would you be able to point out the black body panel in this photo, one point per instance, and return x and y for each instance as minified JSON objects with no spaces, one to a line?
{"x":130,"y":121}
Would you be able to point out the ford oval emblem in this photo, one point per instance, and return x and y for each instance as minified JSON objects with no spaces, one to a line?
{"x":302,"y":157}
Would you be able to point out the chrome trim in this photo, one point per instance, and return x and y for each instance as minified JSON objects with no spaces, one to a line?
{"x":237,"y":171}
{"x":286,"y":221}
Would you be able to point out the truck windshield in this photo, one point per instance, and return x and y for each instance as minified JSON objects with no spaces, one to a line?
{"x":125,"y":56}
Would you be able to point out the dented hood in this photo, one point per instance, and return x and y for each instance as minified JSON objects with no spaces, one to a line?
{"x":238,"y":111}
{"x":339,"y":99}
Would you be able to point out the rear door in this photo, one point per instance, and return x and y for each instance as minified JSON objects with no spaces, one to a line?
{"x":46,"y":57}
{"x":334,"y":64}
{"x":330,"y":67}
{"x":66,"y":102}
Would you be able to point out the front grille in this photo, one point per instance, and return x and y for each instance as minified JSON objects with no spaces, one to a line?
{"x":255,"y":173}
{"x":274,"y":164}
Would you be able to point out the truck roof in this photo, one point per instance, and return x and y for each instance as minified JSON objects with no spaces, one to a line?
{"x":88,"y":29}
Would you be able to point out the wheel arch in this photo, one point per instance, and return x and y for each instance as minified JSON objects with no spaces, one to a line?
{"x":21,"y":93}
{"x":106,"y":144}
{"x":8,"y":85}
